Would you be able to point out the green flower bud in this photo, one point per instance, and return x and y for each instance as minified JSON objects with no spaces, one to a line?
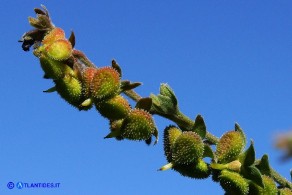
{"x":230,"y":146}
{"x":115,"y":108}
{"x":198,"y":170}
{"x":105,"y":83}
{"x":270,"y":187}
{"x":171,"y":133}
{"x":233,"y":183}
{"x":138,"y":125}
{"x":54,"y":69}
{"x":188,"y":148}
{"x":70,"y":90}
{"x":285,"y":191}
{"x":59,"y":50}
{"x":54,"y":35}
{"x":87,"y":76}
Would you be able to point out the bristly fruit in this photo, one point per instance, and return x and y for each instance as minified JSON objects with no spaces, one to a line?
{"x":270,"y":187}
{"x":70,"y":90}
{"x":115,"y":108}
{"x":285,"y":191}
{"x":138,"y":125}
{"x":54,"y":69}
{"x":197,"y":170}
{"x":230,"y":146}
{"x":233,"y":183}
{"x":53,"y":35}
{"x":87,"y":76}
{"x":59,"y":50}
{"x":188,"y":148}
{"x":171,"y":133}
{"x":105,"y":83}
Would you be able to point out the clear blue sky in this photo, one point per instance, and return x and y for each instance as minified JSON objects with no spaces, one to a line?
{"x":227,"y":60}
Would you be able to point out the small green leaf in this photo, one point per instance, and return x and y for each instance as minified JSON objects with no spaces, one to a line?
{"x":200,"y":127}
{"x":264,"y":166}
{"x":165,"y":90}
{"x":144,"y":103}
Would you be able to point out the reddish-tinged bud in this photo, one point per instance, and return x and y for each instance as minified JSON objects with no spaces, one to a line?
{"x":138,"y":125}
{"x":230,"y":146}
{"x":59,"y":50}
{"x":115,"y":108}
{"x":105,"y":83}
{"x":87,"y":76}
{"x":53,"y":35}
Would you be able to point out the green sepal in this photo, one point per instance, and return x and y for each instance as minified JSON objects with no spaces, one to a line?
{"x":200,"y":127}
{"x":144,"y":103}
{"x":264,"y":166}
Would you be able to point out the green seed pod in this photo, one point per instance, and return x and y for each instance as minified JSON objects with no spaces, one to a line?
{"x":198,"y":170}
{"x":59,"y":50}
{"x":284,"y":191}
{"x":229,"y":147}
{"x":188,"y":148}
{"x":270,"y":187}
{"x":233,"y":183}
{"x":105,"y":83}
{"x":138,"y":125}
{"x":171,"y":133}
{"x":53,"y":35}
{"x":115,"y":108}
{"x":70,"y":90}
{"x":54,"y":69}
{"x":87,"y":76}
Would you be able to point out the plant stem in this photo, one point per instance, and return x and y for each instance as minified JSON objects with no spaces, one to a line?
{"x":179,"y":118}
{"x":280,"y":179}
{"x":133,"y":95}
